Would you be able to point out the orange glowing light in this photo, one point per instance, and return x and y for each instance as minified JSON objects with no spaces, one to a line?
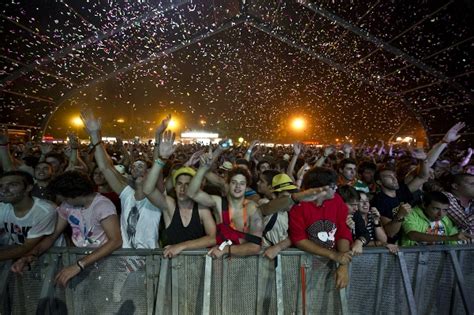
{"x":298,"y":124}
{"x":77,"y":121}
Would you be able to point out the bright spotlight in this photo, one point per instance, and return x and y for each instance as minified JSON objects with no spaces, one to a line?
{"x":77,"y":121}
{"x":173,"y":124}
{"x":298,"y":124}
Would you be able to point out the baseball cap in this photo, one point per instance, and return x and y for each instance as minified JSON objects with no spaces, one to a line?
{"x":282,"y":182}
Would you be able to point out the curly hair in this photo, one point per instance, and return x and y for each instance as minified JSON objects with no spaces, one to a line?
{"x":72,"y":184}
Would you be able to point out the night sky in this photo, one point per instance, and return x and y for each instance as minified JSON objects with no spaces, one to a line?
{"x":240,"y":81}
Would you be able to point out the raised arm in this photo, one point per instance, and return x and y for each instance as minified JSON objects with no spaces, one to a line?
{"x":297,"y":148}
{"x":93,"y":126}
{"x":75,"y":161}
{"x":423,"y":171}
{"x":248,"y":153}
{"x":327,"y":152}
{"x":194,"y":190}
{"x":165,"y":149}
{"x":450,"y":136}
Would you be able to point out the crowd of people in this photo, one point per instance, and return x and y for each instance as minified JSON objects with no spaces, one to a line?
{"x":233,"y":200}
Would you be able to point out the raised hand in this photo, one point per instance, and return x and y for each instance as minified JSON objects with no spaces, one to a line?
{"x":46,"y":147}
{"x":206,"y":158}
{"x":452,"y":134}
{"x":253,"y":144}
{"x":162,"y":127}
{"x":303,"y":169}
{"x":347,"y":148}
{"x":167,"y":146}
{"x":91,"y":124}
{"x":329,"y":150}
{"x":418,"y":154}
{"x":194,"y":158}
{"x":297,"y":148}
{"x":73,"y":140}
{"x":119,"y":141}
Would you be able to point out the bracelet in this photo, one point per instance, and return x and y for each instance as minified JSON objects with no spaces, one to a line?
{"x":363,"y":240}
{"x":377,"y":225}
{"x":160,"y":162}
{"x":444,"y":141}
{"x":93,"y":146}
{"x":81,"y":265}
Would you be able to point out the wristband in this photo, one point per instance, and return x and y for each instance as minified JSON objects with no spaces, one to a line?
{"x":93,"y":146}
{"x":80,"y":265}
{"x":444,"y":141}
{"x":160,"y":162}
{"x":363,"y":240}
{"x":377,"y":225}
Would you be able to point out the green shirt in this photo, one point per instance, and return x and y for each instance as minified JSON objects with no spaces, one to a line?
{"x":418,"y":222}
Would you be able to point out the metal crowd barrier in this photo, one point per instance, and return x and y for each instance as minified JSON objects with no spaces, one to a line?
{"x":421,"y":280}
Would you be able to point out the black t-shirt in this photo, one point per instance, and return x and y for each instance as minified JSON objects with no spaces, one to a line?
{"x":388,"y":206}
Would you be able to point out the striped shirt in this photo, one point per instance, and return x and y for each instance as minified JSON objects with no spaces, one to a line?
{"x":371,"y":227}
{"x":463,"y":217}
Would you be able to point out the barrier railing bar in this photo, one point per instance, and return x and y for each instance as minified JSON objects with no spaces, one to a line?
{"x":262,"y":282}
{"x":156,"y":276}
{"x":67,"y":260}
{"x":344,"y":302}
{"x":161,"y":292}
{"x":407,"y":284}
{"x":149,"y":264}
{"x":206,"y":296}
{"x":4,"y":278}
{"x":421,"y":270}
{"x":174,"y":286}
{"x":379,"y":288}
{"x":224,"y":287}
{"x":286,"y":252}
{"x":460,"y":277}
{"x":48,"y":281}
{"x":279,"y":286}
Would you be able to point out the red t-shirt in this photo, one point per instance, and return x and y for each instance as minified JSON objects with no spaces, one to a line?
{"x":324,"y":225}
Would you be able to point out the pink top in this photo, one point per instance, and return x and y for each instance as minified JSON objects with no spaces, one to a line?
{"x":85,"y":222}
